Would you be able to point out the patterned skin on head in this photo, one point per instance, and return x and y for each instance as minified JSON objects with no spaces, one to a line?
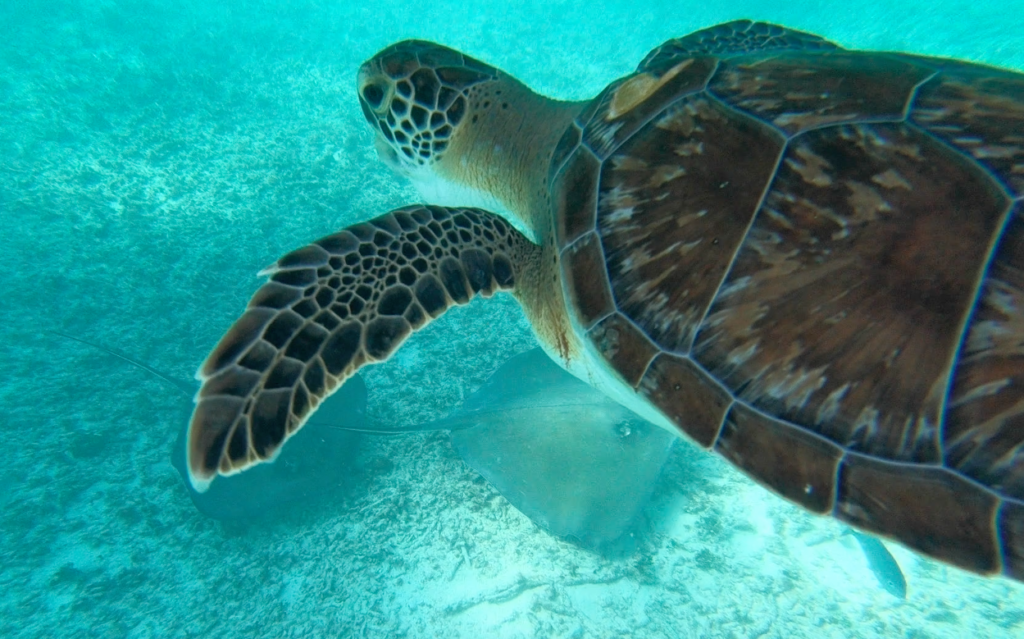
{"x":415,"y":94}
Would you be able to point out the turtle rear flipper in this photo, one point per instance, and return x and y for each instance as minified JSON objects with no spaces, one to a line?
{"x":344,"y":301}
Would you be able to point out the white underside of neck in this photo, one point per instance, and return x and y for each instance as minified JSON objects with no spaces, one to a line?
{"x":437,"y":190}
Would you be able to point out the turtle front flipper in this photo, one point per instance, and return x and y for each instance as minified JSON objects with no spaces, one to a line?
{"x":346,"y":300}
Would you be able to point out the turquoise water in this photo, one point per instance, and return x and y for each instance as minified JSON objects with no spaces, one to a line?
{"x":155,"y":155}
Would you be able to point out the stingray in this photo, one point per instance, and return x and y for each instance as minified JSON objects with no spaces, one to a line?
{"x":577,"y":464}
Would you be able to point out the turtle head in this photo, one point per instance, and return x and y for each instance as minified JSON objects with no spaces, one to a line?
{"x":416,"y":95}
{"x":463,"y":132}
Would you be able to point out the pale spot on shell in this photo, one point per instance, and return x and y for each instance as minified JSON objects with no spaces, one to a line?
{"x":637,"y":89}
{"x":779,"y":218}
{"x":734,"y":286}
{"x":683,"y":219}
{"x":739,"y":356}
{"x":982,"y":390}
{"x":996,"y":152}
{"x":620,"y":215}
{"x":677,"y":121}
{"x":795,"y":387}
{"x":681,"y":118}
{"x":813,"y":168}
{"x":907,"y":150}
{"x":804,"y":121}
{"x":865,"y":427}
{"x":891,"y":180}
{"x":663,"y":174}
{"x":994,"y":336}
{"x":867,"y":202}
{"x":831,"y":405}
{"x":688,"y":148}
{"x":628,"y":163}
{"x":619,"y":200}
{"x":971,"y":140}
{"x":686,"y":248}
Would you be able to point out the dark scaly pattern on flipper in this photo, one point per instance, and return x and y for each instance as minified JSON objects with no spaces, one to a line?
{"x":346,"y":300}
{"x":734,"y":38}
{"x":936,"y":508}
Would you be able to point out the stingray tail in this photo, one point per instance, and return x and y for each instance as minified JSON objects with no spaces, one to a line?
{"x":184,"y":387}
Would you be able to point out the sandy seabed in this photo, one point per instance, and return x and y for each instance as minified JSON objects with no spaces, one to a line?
{"x":153,"y":157}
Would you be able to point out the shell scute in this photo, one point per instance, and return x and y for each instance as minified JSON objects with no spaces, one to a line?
{"x":983,"y":436}
{"x":981,"y":113}
{"x":853,"y":285}
{"x":674,"y":205}
{"x":789,"y":460}
{"x":624,"y":346}
{"x":687,"y":395}
{"x":931,"y":509}
{"x":798,"y":91}
{"x":575,"y":190}
{"x":586,"y":281}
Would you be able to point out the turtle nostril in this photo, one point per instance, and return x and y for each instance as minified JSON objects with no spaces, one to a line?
{"x":373,"y":94}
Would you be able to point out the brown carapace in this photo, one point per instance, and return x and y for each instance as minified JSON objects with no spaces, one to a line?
{"x":810,"y":260}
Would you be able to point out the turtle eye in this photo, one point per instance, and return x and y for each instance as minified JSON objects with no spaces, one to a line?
{"x":373,"y":93}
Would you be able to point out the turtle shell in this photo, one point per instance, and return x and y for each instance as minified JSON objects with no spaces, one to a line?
{"x":812,"y":261}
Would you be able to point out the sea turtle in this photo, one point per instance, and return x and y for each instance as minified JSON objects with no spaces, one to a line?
{"x":807,"y":259}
